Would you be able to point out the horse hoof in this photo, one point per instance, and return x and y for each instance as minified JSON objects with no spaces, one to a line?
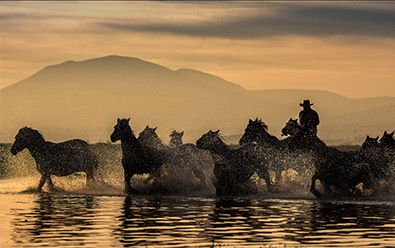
{"x":316,"y":193}
{"x":131,"y":191}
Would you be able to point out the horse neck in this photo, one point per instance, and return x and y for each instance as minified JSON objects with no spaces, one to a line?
{"x":37,"y":148}
{"x":267,"y":139}
{"x":390,"y":144}
{"x":129,"y":140}
{"x":150,"y":141}
{"x":175,"y":142}
{"x":158,"y":143}
{"x":222,"y":149}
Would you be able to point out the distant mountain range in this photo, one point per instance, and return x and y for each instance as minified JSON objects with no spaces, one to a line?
{"x":84,"y":99}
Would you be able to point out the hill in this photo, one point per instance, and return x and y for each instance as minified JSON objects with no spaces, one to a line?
{"x":83,"y":99}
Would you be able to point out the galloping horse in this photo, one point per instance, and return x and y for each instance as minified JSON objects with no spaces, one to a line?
{"x":136,"y":159}
{"x":233,"y":168}
{"x":276,"y":152}
{"x":381,"y":158}
{"x":59,"y":159}
{"x":337,"y":170}
{"x":183,"y":161}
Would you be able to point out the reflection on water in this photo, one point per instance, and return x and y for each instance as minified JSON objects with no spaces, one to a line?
{"x":92,"y":221}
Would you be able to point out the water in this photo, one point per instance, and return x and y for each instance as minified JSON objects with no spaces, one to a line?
{"x":95,"y":220}
{"x":189,"y":216}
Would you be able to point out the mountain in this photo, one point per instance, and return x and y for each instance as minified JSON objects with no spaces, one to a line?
{"x":84,"y":99}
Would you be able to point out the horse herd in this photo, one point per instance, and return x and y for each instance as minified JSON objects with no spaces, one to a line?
{"x":259,"y":152}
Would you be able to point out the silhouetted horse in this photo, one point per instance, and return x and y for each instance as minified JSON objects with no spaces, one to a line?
{"x":136,"y":159}
{"x":336,"y":170}
{"x":233,"y":168}
{"x":381,"y":158}
{"x":59,"y":159}
{"x":148,"y":137}
{"x":181,"y":162}
{"x":276,"y":152}
{"x":176,"y":138}
{"x":388,"y":140}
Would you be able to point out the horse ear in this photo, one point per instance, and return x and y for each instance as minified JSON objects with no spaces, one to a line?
{"x":250,"y":121}
{"x":392,"y":134}
{"x":290,"y":119}
{"x":127,"y":121}
{"x":119,"y":120}
{"x":182,"y":133}
{"x":385,"y":132}
{"x":155,"y":129}
{"x":377,"y":138}
{"x":216,"y":132}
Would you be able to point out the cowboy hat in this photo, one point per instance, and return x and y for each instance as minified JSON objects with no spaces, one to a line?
{"x":306,"y":103}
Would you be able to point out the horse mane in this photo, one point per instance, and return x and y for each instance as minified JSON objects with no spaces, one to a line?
{"x":32,"y":132}
{"x":174,"y":133}
{"x":258,"y":122}
{"x":219,"y":135}
{"x":125,"y":123}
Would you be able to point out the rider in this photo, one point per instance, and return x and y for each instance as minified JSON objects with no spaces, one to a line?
{"x":308,"y":118}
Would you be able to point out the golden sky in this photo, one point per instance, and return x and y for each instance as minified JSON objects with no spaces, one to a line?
{"x":344,"y":47}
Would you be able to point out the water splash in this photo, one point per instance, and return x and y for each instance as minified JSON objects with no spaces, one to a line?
{"x":181,"y":176}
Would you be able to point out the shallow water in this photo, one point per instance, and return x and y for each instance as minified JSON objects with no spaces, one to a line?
{"x":94,"y":220}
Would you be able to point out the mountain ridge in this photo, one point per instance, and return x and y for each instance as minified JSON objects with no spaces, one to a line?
{"x":89,"y":95}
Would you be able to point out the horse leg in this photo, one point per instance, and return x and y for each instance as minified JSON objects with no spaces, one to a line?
{"x":89,"y":177}
{"x":200,"y":175}
{"x":264,"y":174}
{"x":312,"y":188}
{"x":327,"y":188}
{"x":128,"y":187}
{"x":42,"y":182}
{"x":50,"y":184}
{"x":278,"y":176}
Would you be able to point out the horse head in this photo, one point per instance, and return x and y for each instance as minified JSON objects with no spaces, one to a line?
{"x":291,"y":128}
{"x":370,"y":143}
{"x":148,"y":137}
{"x":176,"y":138}
{"x":210,"y":140}
{"x":25,"y":138}
{"x":121,"y":130}
{"x":254,"y":132}
{"x":388,"y":139}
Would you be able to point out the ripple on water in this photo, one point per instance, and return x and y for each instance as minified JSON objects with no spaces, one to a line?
{"x":111,"y":221}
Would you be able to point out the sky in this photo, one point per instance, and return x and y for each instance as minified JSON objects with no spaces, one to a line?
{"x":343,"y":47}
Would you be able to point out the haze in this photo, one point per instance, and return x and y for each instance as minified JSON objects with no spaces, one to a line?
{"x":343,"y":47}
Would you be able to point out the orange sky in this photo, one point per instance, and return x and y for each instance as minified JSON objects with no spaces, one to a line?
{"x":346,"y":48}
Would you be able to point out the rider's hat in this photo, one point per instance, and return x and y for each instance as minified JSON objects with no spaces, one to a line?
{"x":306,"y":103}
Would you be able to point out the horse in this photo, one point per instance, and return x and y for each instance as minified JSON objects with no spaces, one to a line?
{"x":276,"y":151}
{"x":176,"y":138}
{"x":233,"y":168}
{"x":59,"y":159}
{"x":336,"y":170}
{"x":388,"y":140}
{"x":182,"y":162}
{"x":136,"y":159}
{"x":381,"y":156}
{"x":148,"y":137}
